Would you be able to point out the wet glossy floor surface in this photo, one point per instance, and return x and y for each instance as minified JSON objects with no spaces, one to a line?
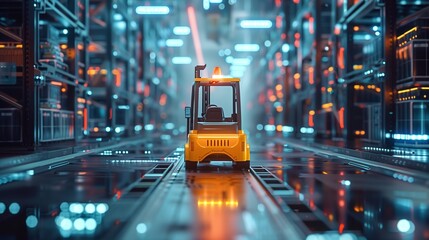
{"x":142,"y":191}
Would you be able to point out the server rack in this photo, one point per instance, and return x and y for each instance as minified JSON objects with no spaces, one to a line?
{"x":412,"y":84}
{"x":266,"y":86}
{"x":67,"y":68}
{"x":113,"y":97}
{"x":42,"y":70}
{"x":358,"y":89}
{"x":305,"y":28}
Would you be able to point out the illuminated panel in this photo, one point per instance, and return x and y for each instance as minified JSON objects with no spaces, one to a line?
{"x":341,"y":58}
{"x":341,"y":117}
{"x":174,"y":42}
{"x":59,"y":84}
{"x":181,"y":60}
{"x":311,"y":114}
{"x":256,"y":24}
{"x":181,"y":30}
{"x":327,"y":105}
{"x":195,"y":35}
{"x":246,"y":47}
{"x":152,"y":10}
{"x":311,"y":25}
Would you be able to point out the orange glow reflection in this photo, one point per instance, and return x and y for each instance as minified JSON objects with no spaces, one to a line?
{"x":218,"y":202}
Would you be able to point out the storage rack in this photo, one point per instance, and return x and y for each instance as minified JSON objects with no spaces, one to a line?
{"x":40,"y":85}
{"x":412,"y":84}
{"x":72,"y":69}
{"x":264,"y":81}
{"x":60,"y":56}
{"x":343,"y":76}
{"x":113,"y":69}
{"x":159,"y":81}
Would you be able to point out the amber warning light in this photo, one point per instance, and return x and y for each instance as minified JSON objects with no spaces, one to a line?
{"x":217,"y":73}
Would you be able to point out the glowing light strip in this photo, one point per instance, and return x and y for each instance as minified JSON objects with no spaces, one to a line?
{"x":405,"y":33}
{"x":174,"y":42}
{"x":59,"y":84}
{"x":181,"y":30}
{"x":327,"y":105}
{"x":246,"y":47}
{"x":256,"y":24}
{"x":181,"y":60}
{"x":195,"y":35}
{"x":152,"y":10}
{"x":411,"y":89}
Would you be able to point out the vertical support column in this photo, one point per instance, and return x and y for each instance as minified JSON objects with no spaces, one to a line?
{"x":110,"y":118}
{"x":28,"y":118}
{"x":86,"y":42}
{"x":318,"y":61}
{"x":129,"y":80}
{"x":388,"y":102}
{"x":73,"y":56}
{"x":349,"y":124}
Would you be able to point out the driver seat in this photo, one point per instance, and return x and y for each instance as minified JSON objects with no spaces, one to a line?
{"x":214,"y":114}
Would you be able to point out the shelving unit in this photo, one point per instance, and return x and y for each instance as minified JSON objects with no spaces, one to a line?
{"x":412,"y":84}
{"x":110,"y":64}
{"x":72,"y":69}
{"x":60,"y":56}
{"x":343,"y":79}
{"x":263,"y":82}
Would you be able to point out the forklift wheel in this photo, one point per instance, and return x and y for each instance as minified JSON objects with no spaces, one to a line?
{"x":242,"y":165}
{"x":191,"y":165}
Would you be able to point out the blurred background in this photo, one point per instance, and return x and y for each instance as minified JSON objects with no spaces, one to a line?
{"x":92,"y":121}
{"x":354,"y":71}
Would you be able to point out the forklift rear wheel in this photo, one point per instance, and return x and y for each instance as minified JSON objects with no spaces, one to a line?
{"x":242,"y":165}
{"x":191,"y":165}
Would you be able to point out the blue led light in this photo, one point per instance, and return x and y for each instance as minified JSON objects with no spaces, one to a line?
{"x":2,"y":207}
{"x":181,"y":30}
{"x":79,"y":224}
{"x":102,"y":208}
{"x":66,"y":224}
{"x":141,"y":228}
{"x":405,"y":226}
{"x":90,"y":224}
{"x":90,"y":208}
{"x":14,"y":208}
{"x":31,"y":221}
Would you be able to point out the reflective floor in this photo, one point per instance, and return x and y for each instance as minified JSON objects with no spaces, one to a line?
{"x":143,"y":191}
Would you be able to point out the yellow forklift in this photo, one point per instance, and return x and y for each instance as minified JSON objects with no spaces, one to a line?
{"x":211,"y":135}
